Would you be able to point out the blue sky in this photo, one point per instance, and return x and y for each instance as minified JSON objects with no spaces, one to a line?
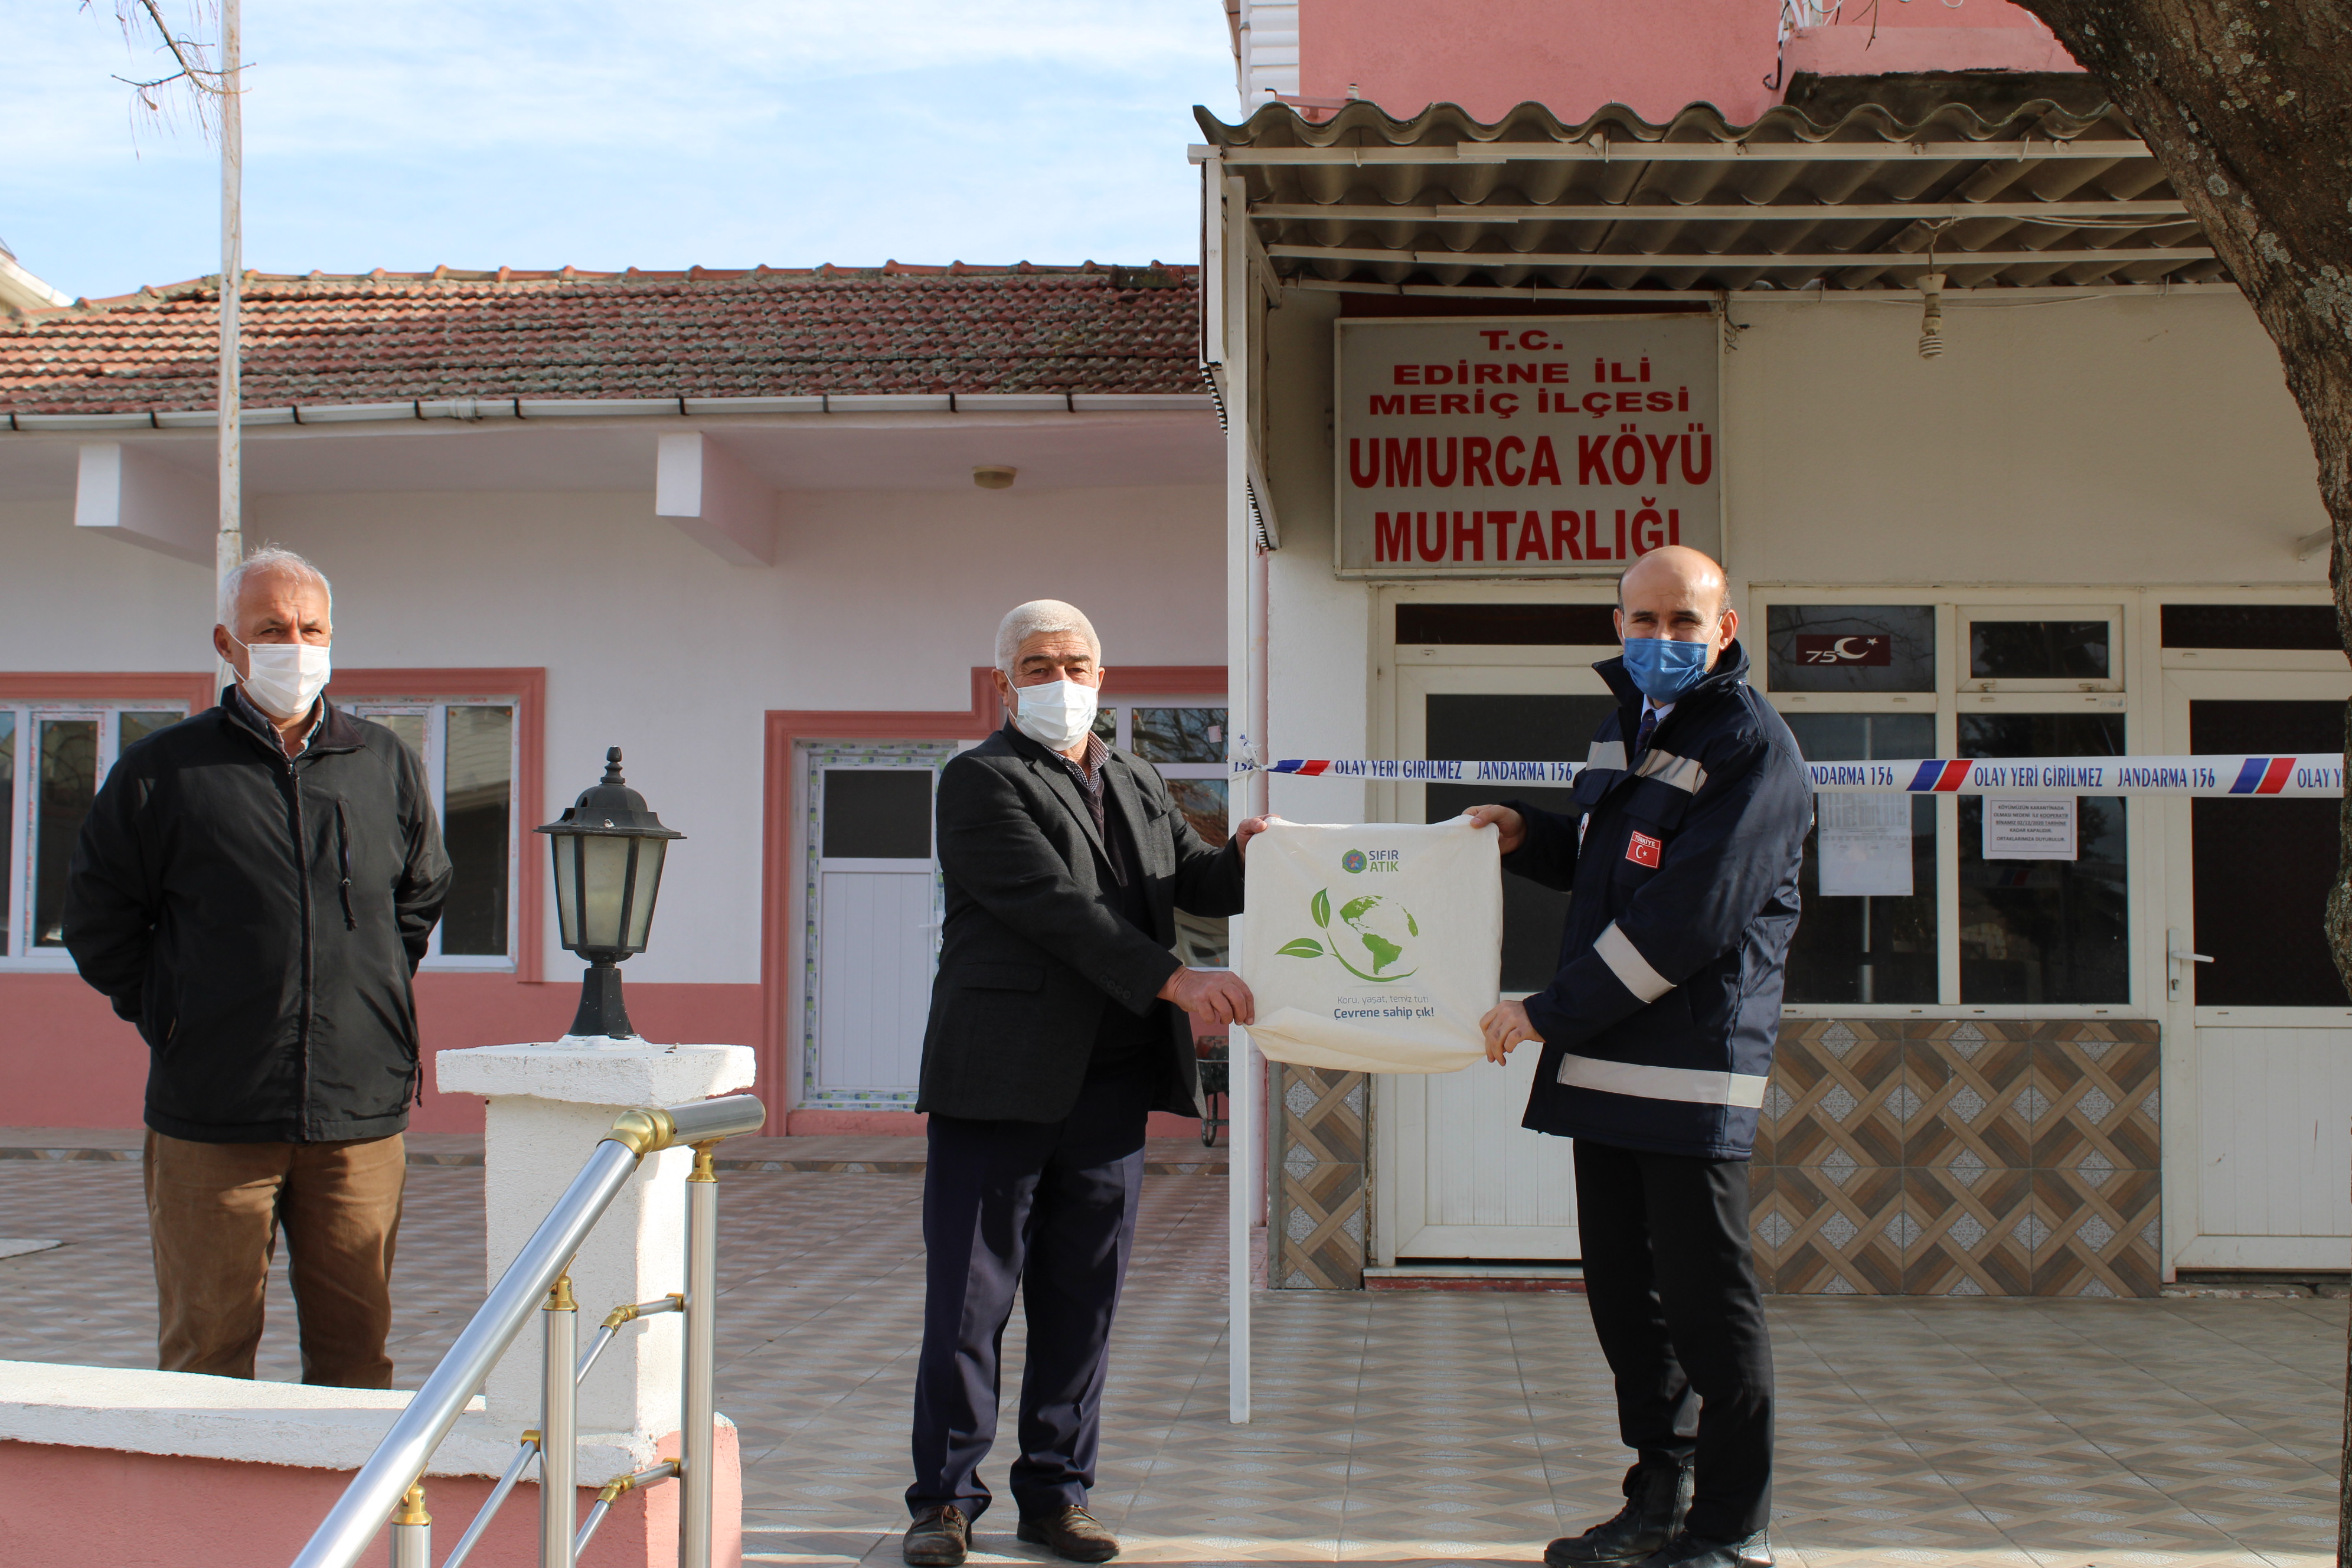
{"x":410,"y":133}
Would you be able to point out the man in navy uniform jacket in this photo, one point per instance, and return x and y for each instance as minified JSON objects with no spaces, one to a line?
{"x":1682,"y":851}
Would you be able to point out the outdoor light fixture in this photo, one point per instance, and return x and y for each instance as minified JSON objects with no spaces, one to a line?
{"x":993,"y":475}
{"x":1931,"y":316}
{"x":608,"y":866}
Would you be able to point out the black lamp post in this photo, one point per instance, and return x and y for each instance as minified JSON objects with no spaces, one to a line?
{"x":608,"y":866}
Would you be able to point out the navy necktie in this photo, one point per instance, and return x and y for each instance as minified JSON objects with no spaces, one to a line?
{"x":1649,"y":728}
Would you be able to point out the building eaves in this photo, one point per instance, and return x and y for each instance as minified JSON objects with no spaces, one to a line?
{"x":2043,"y":196}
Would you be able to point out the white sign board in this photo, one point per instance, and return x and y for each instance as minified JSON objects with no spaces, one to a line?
{"x":1525,"y":445}
{"x":2028,"y":829}
{"x":1863,"y":849}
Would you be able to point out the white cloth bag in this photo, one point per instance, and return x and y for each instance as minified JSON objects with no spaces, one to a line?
{"x":1373,"y":948}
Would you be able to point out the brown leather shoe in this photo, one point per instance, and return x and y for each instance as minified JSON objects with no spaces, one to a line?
{"x":1072,"y":1532}
{"x":939,"y":1537}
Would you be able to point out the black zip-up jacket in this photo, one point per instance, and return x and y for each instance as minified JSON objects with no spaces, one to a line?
{"x":1658,"y":1029}
{"x":259,"y":918}
{"x":1036,"y":948}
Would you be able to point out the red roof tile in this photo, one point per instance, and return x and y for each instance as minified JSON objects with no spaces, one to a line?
{"x":387,"y":337}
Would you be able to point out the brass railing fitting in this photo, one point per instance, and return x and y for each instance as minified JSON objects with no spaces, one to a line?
{"x":636,"y":1309}
{"x":643,"y":1132}
{"x":614,"y":1489}
{"x":704,"y":1171}
{"x":412,"y":1507}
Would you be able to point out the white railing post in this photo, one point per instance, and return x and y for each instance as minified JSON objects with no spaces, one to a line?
{"x":412,"y":1531}
{"x":559,"y":1438}
{"x":697,"y":1439}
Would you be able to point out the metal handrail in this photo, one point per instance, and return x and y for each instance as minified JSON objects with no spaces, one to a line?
{"x":531,"y":1284}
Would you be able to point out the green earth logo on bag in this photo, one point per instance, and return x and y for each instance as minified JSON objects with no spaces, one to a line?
{"x":1381,"y":928}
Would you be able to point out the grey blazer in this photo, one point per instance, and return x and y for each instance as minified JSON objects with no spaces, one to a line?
{"x":1033,"y":946}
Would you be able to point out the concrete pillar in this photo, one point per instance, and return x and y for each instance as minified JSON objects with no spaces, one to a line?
{"x":549,"y":1105}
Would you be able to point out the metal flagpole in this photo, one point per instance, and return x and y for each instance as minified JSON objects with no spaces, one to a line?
{"x":1241,"y":1079}
{"x":228,"y":548}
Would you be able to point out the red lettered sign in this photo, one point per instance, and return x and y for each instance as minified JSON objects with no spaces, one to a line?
{"x":1827,"y":647}
{"x":1538,"y":446}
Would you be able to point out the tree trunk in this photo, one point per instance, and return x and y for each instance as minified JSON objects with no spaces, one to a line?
{"x":2248,"y":105}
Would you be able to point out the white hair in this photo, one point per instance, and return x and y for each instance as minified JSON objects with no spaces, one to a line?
{"x":1035,"y":618}
{"x":268,"y":558}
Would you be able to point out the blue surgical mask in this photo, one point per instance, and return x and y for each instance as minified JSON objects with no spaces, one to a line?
{"x":1664,"y":668}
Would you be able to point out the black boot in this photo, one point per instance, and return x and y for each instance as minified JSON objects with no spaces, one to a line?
{"x":1689,"y":1550}
{"x":1656,"y":1497}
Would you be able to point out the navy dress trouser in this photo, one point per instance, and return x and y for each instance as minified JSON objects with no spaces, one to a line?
{"x":1672,"y":1291}
{"x":1049,"y":1207}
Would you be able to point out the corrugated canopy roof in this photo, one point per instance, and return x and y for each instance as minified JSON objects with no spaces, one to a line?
{"x":2042,"y":197}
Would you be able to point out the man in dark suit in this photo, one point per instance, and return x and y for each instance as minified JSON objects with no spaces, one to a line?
{"x":1054,"y":1034}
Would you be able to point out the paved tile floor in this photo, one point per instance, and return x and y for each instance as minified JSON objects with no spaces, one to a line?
{"x":1400,"y":1427}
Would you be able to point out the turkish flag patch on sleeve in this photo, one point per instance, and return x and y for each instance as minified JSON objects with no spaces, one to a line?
{"x":1643,"y":850}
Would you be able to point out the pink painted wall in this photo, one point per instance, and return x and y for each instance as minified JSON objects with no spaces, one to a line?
{"x":81,"y":1508}
{"x":1914,"y":38}
{"x":66,"y":1060}
{"x":912,"y":1124}
{"x":1573,"y":55}
{"x":1576,"y":55}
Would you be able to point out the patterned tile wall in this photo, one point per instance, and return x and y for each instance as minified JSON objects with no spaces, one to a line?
{"x":1977,"y":1158}
{"x":1974,"y":1158}
{"x":1321,"y":1210}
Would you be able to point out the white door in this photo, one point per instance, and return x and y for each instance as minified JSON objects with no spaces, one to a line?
{"x":1458,"y":1176}
{"x":2257,"y":1095}
{"x":877,"y":926}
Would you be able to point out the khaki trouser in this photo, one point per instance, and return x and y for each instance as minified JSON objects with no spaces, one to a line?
{"x":213,"y":1215}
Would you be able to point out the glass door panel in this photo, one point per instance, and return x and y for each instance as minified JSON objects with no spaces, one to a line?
{"x":2261,"y":868}
{"x":1459,"y":1177}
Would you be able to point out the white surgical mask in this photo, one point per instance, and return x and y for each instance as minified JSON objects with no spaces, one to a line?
{"x":1057,"y":713}
{"x":284,"y":677}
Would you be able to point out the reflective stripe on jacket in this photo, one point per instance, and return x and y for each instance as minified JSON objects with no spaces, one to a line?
{"x":1658,"y":1028}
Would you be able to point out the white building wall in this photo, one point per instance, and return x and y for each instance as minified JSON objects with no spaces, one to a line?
{"x":2114,"y":450}
{"x":2100,"y":441}
{"x":1319,"y":700}
{"x":2095,"y":442}
{"x":878,"y":601}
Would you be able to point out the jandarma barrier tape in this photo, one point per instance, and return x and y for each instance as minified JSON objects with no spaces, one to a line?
{"x":2304,"y":776}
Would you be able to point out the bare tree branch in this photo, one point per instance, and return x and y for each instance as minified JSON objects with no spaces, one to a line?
{"x":201,"y":80}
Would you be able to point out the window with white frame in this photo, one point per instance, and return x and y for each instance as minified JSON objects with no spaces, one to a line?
{"x":1928,"y":901}
{"x":470,"y":750}
{"x":1184,"y":740}
{"x":53,"y":756}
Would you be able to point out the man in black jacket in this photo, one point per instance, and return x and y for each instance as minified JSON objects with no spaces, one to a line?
{"x":1052,"y":1037}
{"x":254,"y":888}
{"x":1681,"y":855}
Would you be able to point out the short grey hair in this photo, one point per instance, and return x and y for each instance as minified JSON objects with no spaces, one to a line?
{"x":1035,"y":618}
{"x":268,"y":558}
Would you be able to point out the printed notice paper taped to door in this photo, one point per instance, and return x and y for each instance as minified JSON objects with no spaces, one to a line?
{"x":2028,"y":829}
{"x":1374,"y":948}
{"x":1864,"y":845}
